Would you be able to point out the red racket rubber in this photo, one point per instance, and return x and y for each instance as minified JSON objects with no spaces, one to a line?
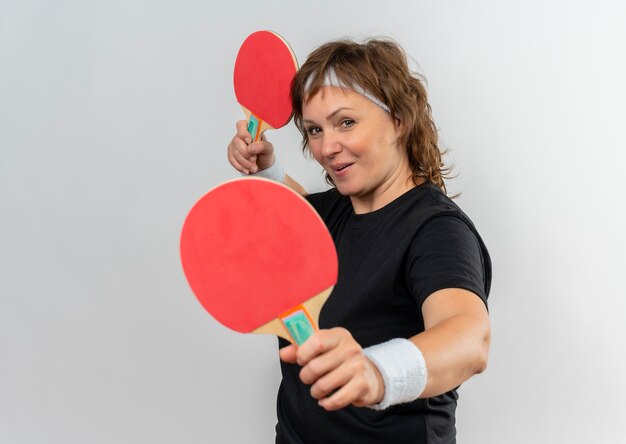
{"x":259,"y":258}
{"x":264,"y":69}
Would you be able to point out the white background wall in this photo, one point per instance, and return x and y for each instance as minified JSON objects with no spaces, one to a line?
{"x":114,"y":119}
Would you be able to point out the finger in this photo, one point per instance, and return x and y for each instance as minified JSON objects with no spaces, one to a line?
{"x":346,"y":395}
{"x":323,"y":364}
{"x":244,"y":158}
{"x":288,"y":354}
{"x":235,"y":164}
{"x":242,"y":131}
{"x":330,"y":382}
{"x":239,"y":144}
{"x":320,"y":342}
{"x":261,"y":148}
{"x":248,"y":162}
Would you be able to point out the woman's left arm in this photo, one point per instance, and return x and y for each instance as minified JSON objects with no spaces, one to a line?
{"x":455,"y":343}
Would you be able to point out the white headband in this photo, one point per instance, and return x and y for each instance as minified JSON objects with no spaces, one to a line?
{"x":331,"y":79}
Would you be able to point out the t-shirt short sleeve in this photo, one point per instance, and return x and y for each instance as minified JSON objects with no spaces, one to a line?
{"x":446,"y":253}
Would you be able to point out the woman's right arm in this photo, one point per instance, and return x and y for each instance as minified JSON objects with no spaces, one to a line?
{"x":250,"y":158}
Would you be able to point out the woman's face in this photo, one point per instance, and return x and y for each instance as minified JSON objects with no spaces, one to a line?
{"x":356,"y":142}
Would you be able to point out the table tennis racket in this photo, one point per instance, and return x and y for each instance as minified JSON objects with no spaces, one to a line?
{"x":264,"y":69}
{"x":259,"y":258}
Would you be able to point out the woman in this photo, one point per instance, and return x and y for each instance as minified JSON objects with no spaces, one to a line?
{"x":407,"y":322}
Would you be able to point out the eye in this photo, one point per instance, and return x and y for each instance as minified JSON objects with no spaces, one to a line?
{"x":313,"y":130}
{"x":347,"y":123}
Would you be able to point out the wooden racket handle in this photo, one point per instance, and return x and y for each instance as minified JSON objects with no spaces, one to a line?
{"x":254,"y":127}
{"x":299,"y":324}
{"x":311,"y":311}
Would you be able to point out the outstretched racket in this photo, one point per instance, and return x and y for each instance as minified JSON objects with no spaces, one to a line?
{"x":264,"y":69}
{"x":259,"y":258}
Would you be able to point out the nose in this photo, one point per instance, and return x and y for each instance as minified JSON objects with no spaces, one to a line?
{"x":331,"y":145}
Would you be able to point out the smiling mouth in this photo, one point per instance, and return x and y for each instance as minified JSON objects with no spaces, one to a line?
{"x":342,"y":167}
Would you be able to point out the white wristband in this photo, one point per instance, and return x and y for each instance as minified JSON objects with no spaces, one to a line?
{"x":402,"y":366}
{"x":274,"y":172}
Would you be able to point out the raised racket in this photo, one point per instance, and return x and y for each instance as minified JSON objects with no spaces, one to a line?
{"x":264,"y":69}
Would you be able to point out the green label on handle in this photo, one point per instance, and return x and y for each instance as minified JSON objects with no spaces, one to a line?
{"x":299,"y":326}
{"x":253,"y":127}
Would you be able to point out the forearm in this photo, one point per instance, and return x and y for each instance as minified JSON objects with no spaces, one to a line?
{"x":455,"y":349}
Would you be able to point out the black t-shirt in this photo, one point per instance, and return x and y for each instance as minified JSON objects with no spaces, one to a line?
{"x":390,"y":261}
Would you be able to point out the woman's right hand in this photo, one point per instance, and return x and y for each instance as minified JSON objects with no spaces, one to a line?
{"x":246,"y":157}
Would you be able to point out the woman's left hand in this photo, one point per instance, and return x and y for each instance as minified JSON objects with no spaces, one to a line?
{"x":334,"y":365}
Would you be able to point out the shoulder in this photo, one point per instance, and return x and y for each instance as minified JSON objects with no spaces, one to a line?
{"x":439,"y":213}
{"x":447,"y":249}
{"x":328,"y":202}
{"x":435,"y":203}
